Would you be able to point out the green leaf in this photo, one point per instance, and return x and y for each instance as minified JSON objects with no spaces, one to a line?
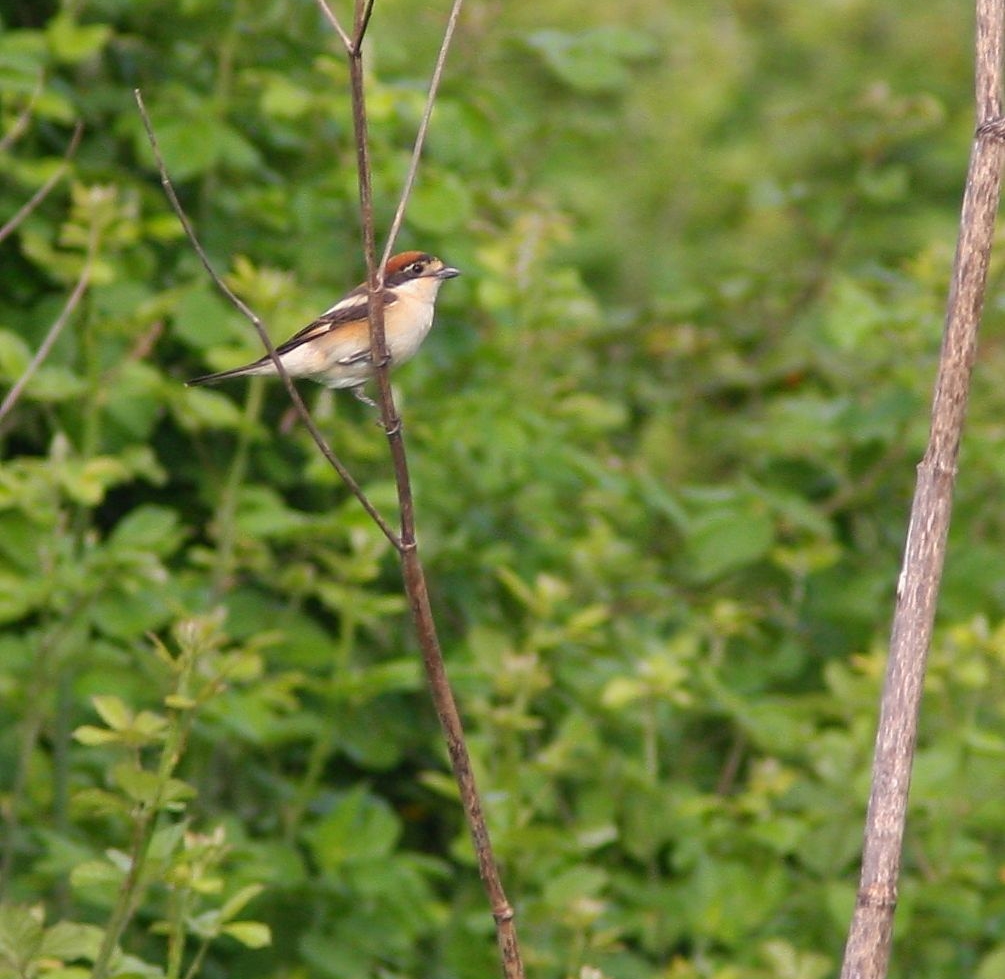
{"x":591,"y":413}
{"x":20,"y":934}
{"x":786,"y":961}
{"x":236,"y":903}
{"x":176,"y":791}
{"x":68,"y":940}
{"x":18,"y":595}
{"x":113,"y":711}
{"x":261,"y":512}
{"x":203,"y":320}
{"x":724,"y":540}
{"x":992,"y":965}
{"x":71,"y":42}
{"x":96,"y":873}
{"x":593,"y":61}
{"x":198,"y":409}
{"x":138,"y":605}
{"x":92,"y":736}
{"x":622,"y":691}
{"x":14,"y":355}
{"x":98,"y":802}
{"x":359,"y":827}
{"x":885,"y":185}
{"x":440,"y":204}
{"x":363,"y":686}
{"x":190,"y":146}
{"x":148,"y":726}
{"x":55,"y":384}
{"x":720,"y":893}
{"x":87,"y":481}
{"x":140,"y":785}
{"x":574,"y":884}
{"x":282,"y":98}
{"x":853,"y":315}
{"x":148,"y":788}
{"x":236,"y":151}
{"x":147,"y":528}
{"x":251,"y":934}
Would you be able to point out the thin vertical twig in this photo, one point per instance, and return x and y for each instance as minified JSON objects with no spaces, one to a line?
{"x":20,"y":125}
{"x":413,"y":572}
{"x":46,"y":188}
{"x":870,"y":936}
{"x":363,"y":13}
{"x":374,"y":271}
{"x":420,"y":137}
{"x":53,"y":334}
{"x":336,"y":25}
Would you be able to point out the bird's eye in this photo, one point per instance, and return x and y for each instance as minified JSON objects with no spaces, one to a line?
{"x":417,"y":268}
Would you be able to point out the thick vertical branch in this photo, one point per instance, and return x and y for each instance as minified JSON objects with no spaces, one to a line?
{"x":374,"y":271}
{"x":460,"y":760}
{"x":867,"y":952}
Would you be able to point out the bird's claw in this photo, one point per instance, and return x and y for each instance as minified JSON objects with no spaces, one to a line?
{"x":361,"y":395}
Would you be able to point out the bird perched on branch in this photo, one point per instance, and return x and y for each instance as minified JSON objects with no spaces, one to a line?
{"x":334,"y":349}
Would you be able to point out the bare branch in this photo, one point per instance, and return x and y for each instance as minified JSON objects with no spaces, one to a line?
{"x":412,"y":568}
{"x":420,"y":138}
{"x":336,"y":26}
{"x":460,"y":760}
{"x":870,"y":936}
{"x":374,"y":271}
{"x":20,"y":125}
{"x":46,"y":188}
{"x":69,"y":307}
{"x":364,"y":12}
{"x":250,"y":315}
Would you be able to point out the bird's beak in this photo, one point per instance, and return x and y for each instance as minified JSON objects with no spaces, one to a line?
{"x":448,"y":273}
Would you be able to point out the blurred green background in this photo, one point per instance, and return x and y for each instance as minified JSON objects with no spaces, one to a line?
{"x":663,"y":442}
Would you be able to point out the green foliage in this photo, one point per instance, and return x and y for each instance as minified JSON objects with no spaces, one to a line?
{"x":662,"y":441}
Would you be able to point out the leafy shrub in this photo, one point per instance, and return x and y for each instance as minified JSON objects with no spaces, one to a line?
{"x":662,"y":440}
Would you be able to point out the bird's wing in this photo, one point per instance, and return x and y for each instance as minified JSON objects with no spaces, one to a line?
{"x":361,"y":356}
{"x":354,"y":307}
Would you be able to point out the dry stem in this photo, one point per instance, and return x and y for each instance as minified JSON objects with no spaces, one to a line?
{"x":20,"y":124}
{"x":69,"y":307}
{"x":43,"y":191}
{"x":867,"y":952}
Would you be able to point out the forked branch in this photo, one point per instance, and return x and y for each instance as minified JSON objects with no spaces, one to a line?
{"x":253,"y":318}
{"x":405,"y":541}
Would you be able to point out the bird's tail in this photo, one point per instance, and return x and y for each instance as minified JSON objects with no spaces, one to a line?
{"x":263,"y":366}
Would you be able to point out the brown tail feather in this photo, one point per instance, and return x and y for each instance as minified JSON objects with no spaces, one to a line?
{"x":247,"y":369}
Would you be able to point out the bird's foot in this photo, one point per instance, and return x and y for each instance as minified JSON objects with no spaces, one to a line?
{"x":361,"y":395}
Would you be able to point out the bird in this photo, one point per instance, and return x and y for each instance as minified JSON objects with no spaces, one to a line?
{"x":334,"y":349}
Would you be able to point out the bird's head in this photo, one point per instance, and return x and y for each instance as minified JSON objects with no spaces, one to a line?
{"x":417,"y":267}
